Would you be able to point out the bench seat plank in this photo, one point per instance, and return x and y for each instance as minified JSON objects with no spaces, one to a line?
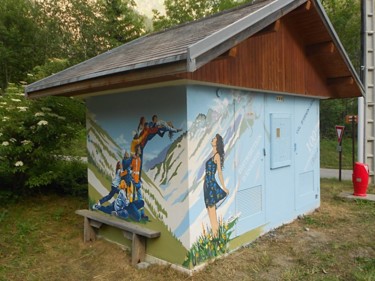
{"x":136,"y":233}
{"x":121,"y":224}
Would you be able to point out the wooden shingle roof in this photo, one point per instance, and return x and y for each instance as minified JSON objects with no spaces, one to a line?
{"x":189,"y":46}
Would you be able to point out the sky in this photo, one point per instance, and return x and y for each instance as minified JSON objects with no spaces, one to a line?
{"x":119,"y":115}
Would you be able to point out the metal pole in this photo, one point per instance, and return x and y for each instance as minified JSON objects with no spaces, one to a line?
{"x":361,"y":101}
{"x":340,"y":159}
{"x":353,"y":140}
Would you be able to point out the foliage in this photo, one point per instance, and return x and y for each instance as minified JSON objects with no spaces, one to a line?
{"x":32,"y":136}
{"x":332,"y":113}
{"x":346,"y":20}
{"x":207,"y":246}
{"x":181,"y":11}
{"x":22,"y":41}
{"x":32,"y":33}
{"x":345,"y":16}
{"x":122,"y":23}
{"x":85,"y":29}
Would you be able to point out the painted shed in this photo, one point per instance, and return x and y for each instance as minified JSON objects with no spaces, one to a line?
{"x":222,"y":115}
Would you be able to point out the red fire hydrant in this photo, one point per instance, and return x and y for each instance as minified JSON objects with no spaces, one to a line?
{"x":360,"y":179}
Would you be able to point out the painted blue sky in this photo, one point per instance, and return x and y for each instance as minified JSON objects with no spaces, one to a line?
{"x":119,"y":114}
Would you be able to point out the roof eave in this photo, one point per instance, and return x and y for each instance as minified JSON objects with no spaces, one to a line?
{"x":157,"y":62}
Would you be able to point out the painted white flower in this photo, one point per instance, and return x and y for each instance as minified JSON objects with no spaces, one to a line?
{"x":22,"y":108}
{"x":18,"y":164}
{"x":53,"y":114}
{"x":5,"y":143}
{"x":46,"y":109}
{"x":61,"y":117}
{"x":39,"y":114}
{"x":42,"y":123}
{"x":13,"y":140}
{"x":16,"y":100}
{"x":3,"y":103}
{"x":5,"y":118}
{"x":25,"y":142}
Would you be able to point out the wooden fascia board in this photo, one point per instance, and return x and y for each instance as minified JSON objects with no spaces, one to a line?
{"x":111,"y":82}
{"x":248,"y":25}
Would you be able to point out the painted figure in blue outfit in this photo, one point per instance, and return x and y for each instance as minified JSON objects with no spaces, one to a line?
{"x":114,"y":187}
{"x":213,"y":192}
{"x":123,"y":208}
{"x":118,"y":207}
{"x":126,"y":171}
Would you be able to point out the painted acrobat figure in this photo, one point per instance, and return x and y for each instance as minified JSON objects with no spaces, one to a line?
{"x":114,"y":187}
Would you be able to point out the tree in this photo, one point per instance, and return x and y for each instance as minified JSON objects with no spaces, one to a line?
{"x":121,"y":22}
{"x":181,"y":11}
{"x":22,"y":41}
{"x":345,"y":16}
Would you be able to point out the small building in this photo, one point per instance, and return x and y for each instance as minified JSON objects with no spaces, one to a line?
{"x":224,"y":113}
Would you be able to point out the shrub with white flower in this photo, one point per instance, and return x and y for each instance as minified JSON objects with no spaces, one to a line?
{"x":42,"y":123}
{"x":22,"y":138}
{"x":18,"y":164}
{"x":22,"y":108}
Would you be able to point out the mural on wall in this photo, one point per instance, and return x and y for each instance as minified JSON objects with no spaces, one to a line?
{"x":180,"y":181}
{"x":127,"y":183}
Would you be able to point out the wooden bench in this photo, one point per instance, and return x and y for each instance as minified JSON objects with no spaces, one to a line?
{"x":138,"y":234}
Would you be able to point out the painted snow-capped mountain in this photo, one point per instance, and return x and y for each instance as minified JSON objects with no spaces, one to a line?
{"x":173,"y":186}
{"x":102,"y":150}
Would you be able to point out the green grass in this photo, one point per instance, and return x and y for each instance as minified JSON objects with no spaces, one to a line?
{"x":329,"y":156}
{"x":41,"y":239}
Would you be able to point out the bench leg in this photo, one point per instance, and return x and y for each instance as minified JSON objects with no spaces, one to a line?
{"x":88,"y":231}
{"x":138,"y":249}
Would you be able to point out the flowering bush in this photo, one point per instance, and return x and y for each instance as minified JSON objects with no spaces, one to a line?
{"x":32,"y":135}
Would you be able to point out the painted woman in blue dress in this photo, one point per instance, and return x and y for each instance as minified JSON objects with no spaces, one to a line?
{"x":213,"y":192}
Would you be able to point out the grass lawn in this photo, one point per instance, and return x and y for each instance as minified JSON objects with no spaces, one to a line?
{"x":41,"y":239}
{"x":329,"y":157}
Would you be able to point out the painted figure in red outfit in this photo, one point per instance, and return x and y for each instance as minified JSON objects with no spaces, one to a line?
{"x":136,"y":176}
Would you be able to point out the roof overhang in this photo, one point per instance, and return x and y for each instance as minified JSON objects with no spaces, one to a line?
{"x":81,"y":79}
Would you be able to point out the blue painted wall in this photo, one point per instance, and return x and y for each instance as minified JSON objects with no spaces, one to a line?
{"x":271,"y":163}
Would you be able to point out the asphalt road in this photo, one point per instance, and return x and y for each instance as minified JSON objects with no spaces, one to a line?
{"x":334,"y":173}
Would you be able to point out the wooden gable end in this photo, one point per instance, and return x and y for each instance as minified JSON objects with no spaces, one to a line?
{"x":292,"y":55}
